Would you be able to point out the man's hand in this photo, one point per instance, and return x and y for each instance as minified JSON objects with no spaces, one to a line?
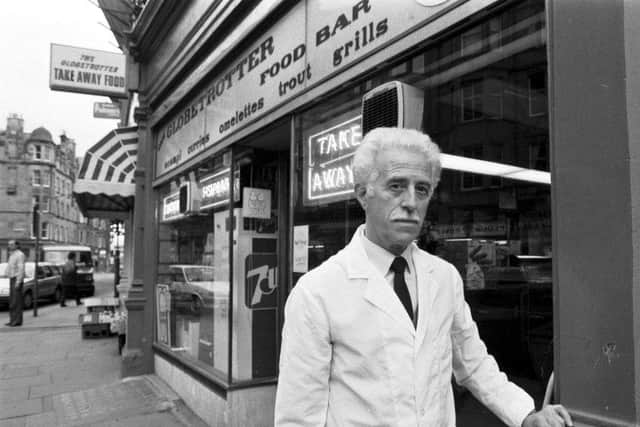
{"x":549,"y":416}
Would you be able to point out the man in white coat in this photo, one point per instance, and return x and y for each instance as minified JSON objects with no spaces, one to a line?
{"x":372,"y":336}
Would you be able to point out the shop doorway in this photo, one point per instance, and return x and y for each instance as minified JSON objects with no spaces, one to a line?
{"x":260,"y":255}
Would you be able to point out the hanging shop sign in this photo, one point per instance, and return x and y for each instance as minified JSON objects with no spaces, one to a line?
{"x":215,"y":189}
{"x":327,"y":158}
{"x":90,"y":71}
{"x":271,"y":71}
{"x":106,"y":110}
{"x":171,"y":207}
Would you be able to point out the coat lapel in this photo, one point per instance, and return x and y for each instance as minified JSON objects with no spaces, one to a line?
{"x":377,"y":290}
{"x":426,"y":294}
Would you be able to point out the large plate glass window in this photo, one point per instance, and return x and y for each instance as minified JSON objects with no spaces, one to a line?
{"x":192,"y":291}
{"x":485,"y":103}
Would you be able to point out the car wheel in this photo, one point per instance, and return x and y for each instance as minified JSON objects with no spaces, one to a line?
{"x":27,"y":300}
{"x":57,"y":296}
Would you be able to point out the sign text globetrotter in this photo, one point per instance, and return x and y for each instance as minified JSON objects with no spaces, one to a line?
{"x":76,"y":69}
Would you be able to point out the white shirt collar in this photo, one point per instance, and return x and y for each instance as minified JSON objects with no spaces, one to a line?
{"x":382,"y":258}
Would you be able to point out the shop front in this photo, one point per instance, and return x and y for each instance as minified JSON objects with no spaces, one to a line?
{"x":240,"y":219}
{"x":250,"y":184}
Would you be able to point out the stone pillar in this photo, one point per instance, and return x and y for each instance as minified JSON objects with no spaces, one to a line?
{"x":137,"y":356}
{"x":594,"y":69}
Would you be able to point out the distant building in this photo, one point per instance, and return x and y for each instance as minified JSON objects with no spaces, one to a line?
{"x":35,"y":169}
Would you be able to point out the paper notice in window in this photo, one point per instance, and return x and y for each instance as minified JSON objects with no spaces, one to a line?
{"x":300,"y":248}
{"x":256,"y":203}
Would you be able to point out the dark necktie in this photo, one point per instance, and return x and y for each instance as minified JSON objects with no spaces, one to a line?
{"x":398,"y":266}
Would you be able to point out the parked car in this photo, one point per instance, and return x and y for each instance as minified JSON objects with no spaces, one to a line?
{"x":49,"y":283}
{"x":192,"y":288}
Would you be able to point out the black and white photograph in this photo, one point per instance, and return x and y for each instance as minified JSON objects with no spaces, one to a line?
{"x":320,"y":213}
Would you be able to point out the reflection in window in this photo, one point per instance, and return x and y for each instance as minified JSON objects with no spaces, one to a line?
{"x":471,"y":41}
{"x":472,"y":100}
{"x":537,"y":93}
{"x":485,"y":105}
{"x":472,"y":181}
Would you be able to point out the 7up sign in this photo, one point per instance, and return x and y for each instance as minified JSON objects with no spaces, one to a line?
{"x":261,"y":281}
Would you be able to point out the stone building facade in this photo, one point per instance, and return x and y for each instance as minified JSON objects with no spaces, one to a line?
{"x":36,"y":169}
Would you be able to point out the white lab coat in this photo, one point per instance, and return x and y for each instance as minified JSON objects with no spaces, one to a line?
{"x":351,"y":356}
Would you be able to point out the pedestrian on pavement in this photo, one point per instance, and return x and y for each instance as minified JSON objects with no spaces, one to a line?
{"x":15,"y":272}
{"x":372,"y":336}
{"x":70,"y":280}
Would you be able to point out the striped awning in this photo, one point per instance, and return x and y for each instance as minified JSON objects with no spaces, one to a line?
{"x":105,"y":183}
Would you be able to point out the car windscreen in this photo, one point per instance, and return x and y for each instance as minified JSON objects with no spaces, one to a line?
{"x":199,"y":274}
{"x":56,"y":257}
{"x":83,"y":258}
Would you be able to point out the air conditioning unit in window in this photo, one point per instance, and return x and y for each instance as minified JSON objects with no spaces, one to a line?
{"x":392,"y":104}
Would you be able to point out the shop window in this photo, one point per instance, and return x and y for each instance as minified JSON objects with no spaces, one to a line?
{"x":192,"y":291}
{"x":498,"y":236}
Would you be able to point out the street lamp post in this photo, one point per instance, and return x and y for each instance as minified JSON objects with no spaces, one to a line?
{"x":116,"y":261}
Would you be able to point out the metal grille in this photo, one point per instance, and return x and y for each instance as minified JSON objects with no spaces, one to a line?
{"x":380,"y":110}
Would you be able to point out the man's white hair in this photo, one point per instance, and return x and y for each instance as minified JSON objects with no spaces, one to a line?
{"x":382,"y":139}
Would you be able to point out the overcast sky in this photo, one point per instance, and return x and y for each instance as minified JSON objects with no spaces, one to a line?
{"x":27,"y":30}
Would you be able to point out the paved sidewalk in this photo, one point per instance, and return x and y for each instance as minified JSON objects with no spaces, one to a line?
{"x":50,"y":376}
